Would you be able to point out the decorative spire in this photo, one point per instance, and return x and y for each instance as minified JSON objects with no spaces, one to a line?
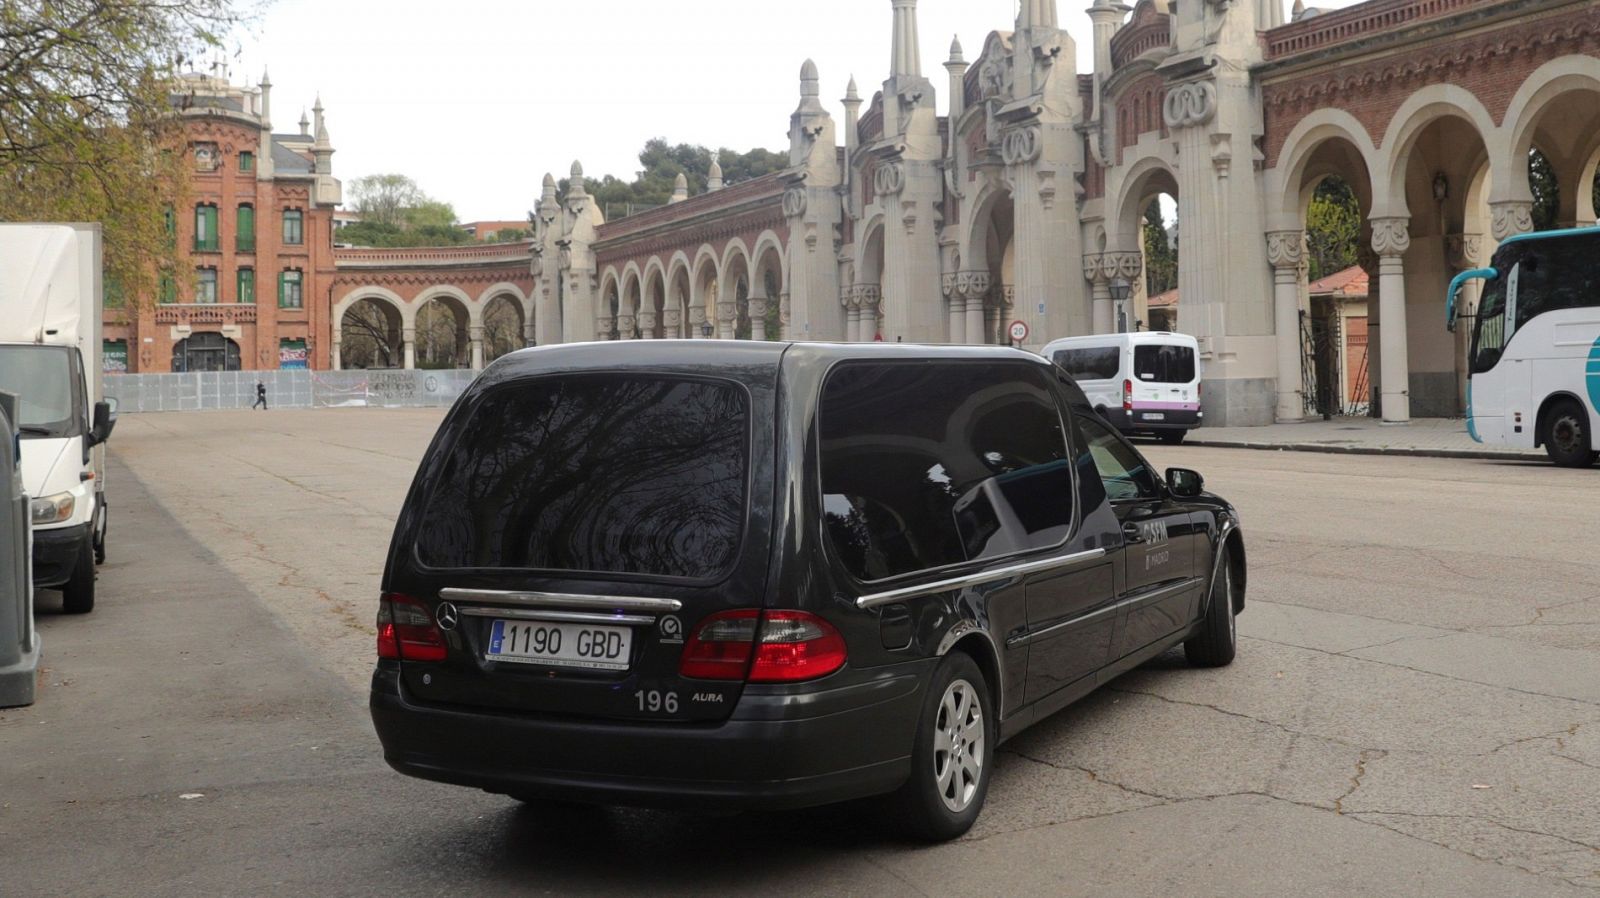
{"x":549,"y":203}
{"x":851,"y":95}
{"x":1298,"y":11}
{"x":549,"y":185}
{"x":1036,"y":14}
{"x":680,"y":189}
{"x":810,"y":81}
{"x":907,"y":61}
{"x":322,"y":124}
{"x":955,"y":52}
{"x":714,"y":181}
{"x":266,"y":101}
{"x":576,"y":188}
{"x":305,"y":123}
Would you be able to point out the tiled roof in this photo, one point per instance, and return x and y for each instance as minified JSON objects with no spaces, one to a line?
{"x":287,"y":162}
{"x":1165,"y":300}
{"x":1351,"y":282}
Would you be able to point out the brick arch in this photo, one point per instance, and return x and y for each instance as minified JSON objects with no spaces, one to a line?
{"x":1286,"y":182}
{"x":1421,"y":109}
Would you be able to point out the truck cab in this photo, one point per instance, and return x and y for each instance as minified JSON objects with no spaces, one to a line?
{"x":50,"y":305}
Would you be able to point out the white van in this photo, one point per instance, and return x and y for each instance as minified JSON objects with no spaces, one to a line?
{"x":1147,"y":382}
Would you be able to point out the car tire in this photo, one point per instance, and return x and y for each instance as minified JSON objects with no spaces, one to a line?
{"x":77,"y":595}
{"x":1564,"y":431}
{"x":952,"y":758}
{"x":1218,"y":640}
{"x":1172,"y":437}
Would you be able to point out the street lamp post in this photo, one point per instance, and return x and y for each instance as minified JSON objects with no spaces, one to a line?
{"x":1120,"y":289}
{"x":707,"y":328}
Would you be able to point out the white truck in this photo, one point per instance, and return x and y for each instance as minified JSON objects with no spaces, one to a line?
{"x":51,"y":296}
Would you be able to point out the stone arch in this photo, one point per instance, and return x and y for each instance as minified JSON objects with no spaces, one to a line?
{"x":703,"y":284}
{"x":734,"y":289}
{"x":440,"y":341}
{"x":680,"y":290}
{"x":628,"y":301}
{"x":1557,"y":111}
{"x":370,"y":340}
{"x":1309,"y":136}
{"x":769,"y":288}
{"x":1411,"y":121}
{"x":653,"y":323}
{"x":1146,"y":177}
{"x":869,"y":253}
{"x":504,"y":329}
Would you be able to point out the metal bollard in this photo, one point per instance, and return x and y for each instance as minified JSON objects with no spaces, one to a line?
{"x":19,"y":643}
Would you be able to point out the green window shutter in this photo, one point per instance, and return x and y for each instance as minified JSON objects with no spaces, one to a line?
{"x":247,"y":286}
{"x":281,"y":276}
{"x":247,"y":229}
{"x":205,"y":228}
{"x":247,"y":161}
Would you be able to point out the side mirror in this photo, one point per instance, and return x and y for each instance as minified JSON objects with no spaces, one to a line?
{"x":104,"y":421}
{"x":1184,"y":483}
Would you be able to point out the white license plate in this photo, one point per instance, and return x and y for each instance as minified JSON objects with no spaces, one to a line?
{"x":560,"y":645}
{"x":1154,"y":416}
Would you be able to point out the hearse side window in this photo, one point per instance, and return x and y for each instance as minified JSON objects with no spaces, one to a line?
{"x":1123,"y":472}
{"x":594,"y":473}
{"x":926,"y":465}
{"x":1090,"y":363}
{"x":1163,"y":364}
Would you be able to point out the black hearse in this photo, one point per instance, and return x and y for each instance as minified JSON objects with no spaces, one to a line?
{"x":772,"y":575}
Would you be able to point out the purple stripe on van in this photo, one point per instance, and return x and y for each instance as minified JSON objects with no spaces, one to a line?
{"x":1166,"y":406}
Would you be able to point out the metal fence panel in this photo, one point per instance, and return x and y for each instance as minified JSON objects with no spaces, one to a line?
{"x":214,"y":390}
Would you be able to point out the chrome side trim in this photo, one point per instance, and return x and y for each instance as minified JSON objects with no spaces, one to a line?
{"x":1103,"y":612}
{"x":563,"y":617}
{"x":874,"y":600}
{"x":561,"y":600}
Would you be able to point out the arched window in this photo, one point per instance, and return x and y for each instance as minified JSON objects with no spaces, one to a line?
{"x":205,"y":351}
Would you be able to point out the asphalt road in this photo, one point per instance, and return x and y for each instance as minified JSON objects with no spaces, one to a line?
{"x":1415,"y":709}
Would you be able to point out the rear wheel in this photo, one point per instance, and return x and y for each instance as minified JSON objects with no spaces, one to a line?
{"x":1219,"y":637}
{"x":77,"y":596}
{"x":1172,"y":437}
{"x":953,"y":754}
{"x":1565,"y":434}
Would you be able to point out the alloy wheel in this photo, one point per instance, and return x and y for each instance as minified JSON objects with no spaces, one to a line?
{"x":958,"y":745}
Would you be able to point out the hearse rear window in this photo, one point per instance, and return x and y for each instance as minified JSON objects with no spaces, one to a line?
{"x":929,"y":465}
{"x":595,"y":473}
{"x":1163,"y":363}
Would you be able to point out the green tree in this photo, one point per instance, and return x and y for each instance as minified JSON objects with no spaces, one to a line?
{"x":660,"y":164}
{"x":88,"y":125}
{"x":384,"y":199}
{"x":1333,"y":228}
{"x":1546,"y":191}
{"x":395,"y":212}
{"x":1160,"y":254}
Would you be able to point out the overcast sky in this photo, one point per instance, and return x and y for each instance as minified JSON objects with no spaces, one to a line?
{"x":477,"y":99}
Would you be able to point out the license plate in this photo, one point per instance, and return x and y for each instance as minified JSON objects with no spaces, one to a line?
{"x":560,"y":645}
{"x":1154,"y":416}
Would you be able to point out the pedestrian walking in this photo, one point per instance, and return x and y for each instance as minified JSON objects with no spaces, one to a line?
{"x":261,"y":397}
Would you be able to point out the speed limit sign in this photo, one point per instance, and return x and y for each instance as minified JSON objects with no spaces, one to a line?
{"x":1019,"y":331}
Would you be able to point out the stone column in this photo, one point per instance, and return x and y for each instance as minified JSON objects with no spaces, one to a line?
{"x":602,"y":327}
{"x":979,"y":285}
{"x":627,"y":327}
{"x":1102,"y":319}
{"x":727,"y":312}
{"x":1391,"y":237}
{"x":697,"y":317}
{"x":408,"y":347}
{"x":647,"y":324}
{"x":871,"y":296}
{"x":758,"y":318}
{"x":338,"y":353}
{"x":956,"y":306}
{"x":1286,"y":252}
{"x":475,"y":346}
{"x":671,"y":326}
{"x":530,"y":334}
{"x":785,"y":315}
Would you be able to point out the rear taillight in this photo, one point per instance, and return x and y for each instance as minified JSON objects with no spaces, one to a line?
{"x":1127,"y":395}
{"x":778,"y":647}
{"x":406,"y":630}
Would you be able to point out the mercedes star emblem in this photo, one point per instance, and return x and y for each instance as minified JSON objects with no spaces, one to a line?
{"x":448,"y":616}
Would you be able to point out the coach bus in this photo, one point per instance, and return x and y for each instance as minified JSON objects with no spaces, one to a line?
{"x":1534,"y":365}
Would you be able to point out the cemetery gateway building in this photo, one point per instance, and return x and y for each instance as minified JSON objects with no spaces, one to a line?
{"x":1025,"y":202}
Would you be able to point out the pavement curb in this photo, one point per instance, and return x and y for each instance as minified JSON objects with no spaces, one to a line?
{"x":1404,"y":451}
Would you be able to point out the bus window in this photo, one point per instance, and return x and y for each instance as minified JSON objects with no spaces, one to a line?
{"x":1555,"y":274}
{"x":1489,"y":331}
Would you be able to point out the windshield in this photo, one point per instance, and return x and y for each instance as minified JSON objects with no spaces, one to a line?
{"x":1090,"y":363}
{"x":1489,"y":328}
{"x":41,"y":377}
{"x":595,"y":473}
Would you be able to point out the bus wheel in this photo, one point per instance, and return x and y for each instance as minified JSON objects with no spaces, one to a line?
{"x":1565,"y":434}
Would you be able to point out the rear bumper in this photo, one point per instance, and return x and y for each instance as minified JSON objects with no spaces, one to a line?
{"x":782,"y":747}
{"x":1141,"y":421}
{"x":55,"y":552}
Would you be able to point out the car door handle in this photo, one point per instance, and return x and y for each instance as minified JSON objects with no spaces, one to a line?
{"x":1132,"y":533}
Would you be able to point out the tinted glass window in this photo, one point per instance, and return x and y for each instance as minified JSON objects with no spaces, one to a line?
{"x":1163,"y":364}
{"x":598,"y":473}
{"x":1122,"y":470}
{"x":1557,"y":273}
{"x":1091,"y":363}
{"x":925,"y":465}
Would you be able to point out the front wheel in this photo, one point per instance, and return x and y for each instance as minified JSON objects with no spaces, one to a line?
{"x":1218,"y":641}
{"x":1565,"y":434}
{"x":953,"y":755}
{"x":77,"y":596}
